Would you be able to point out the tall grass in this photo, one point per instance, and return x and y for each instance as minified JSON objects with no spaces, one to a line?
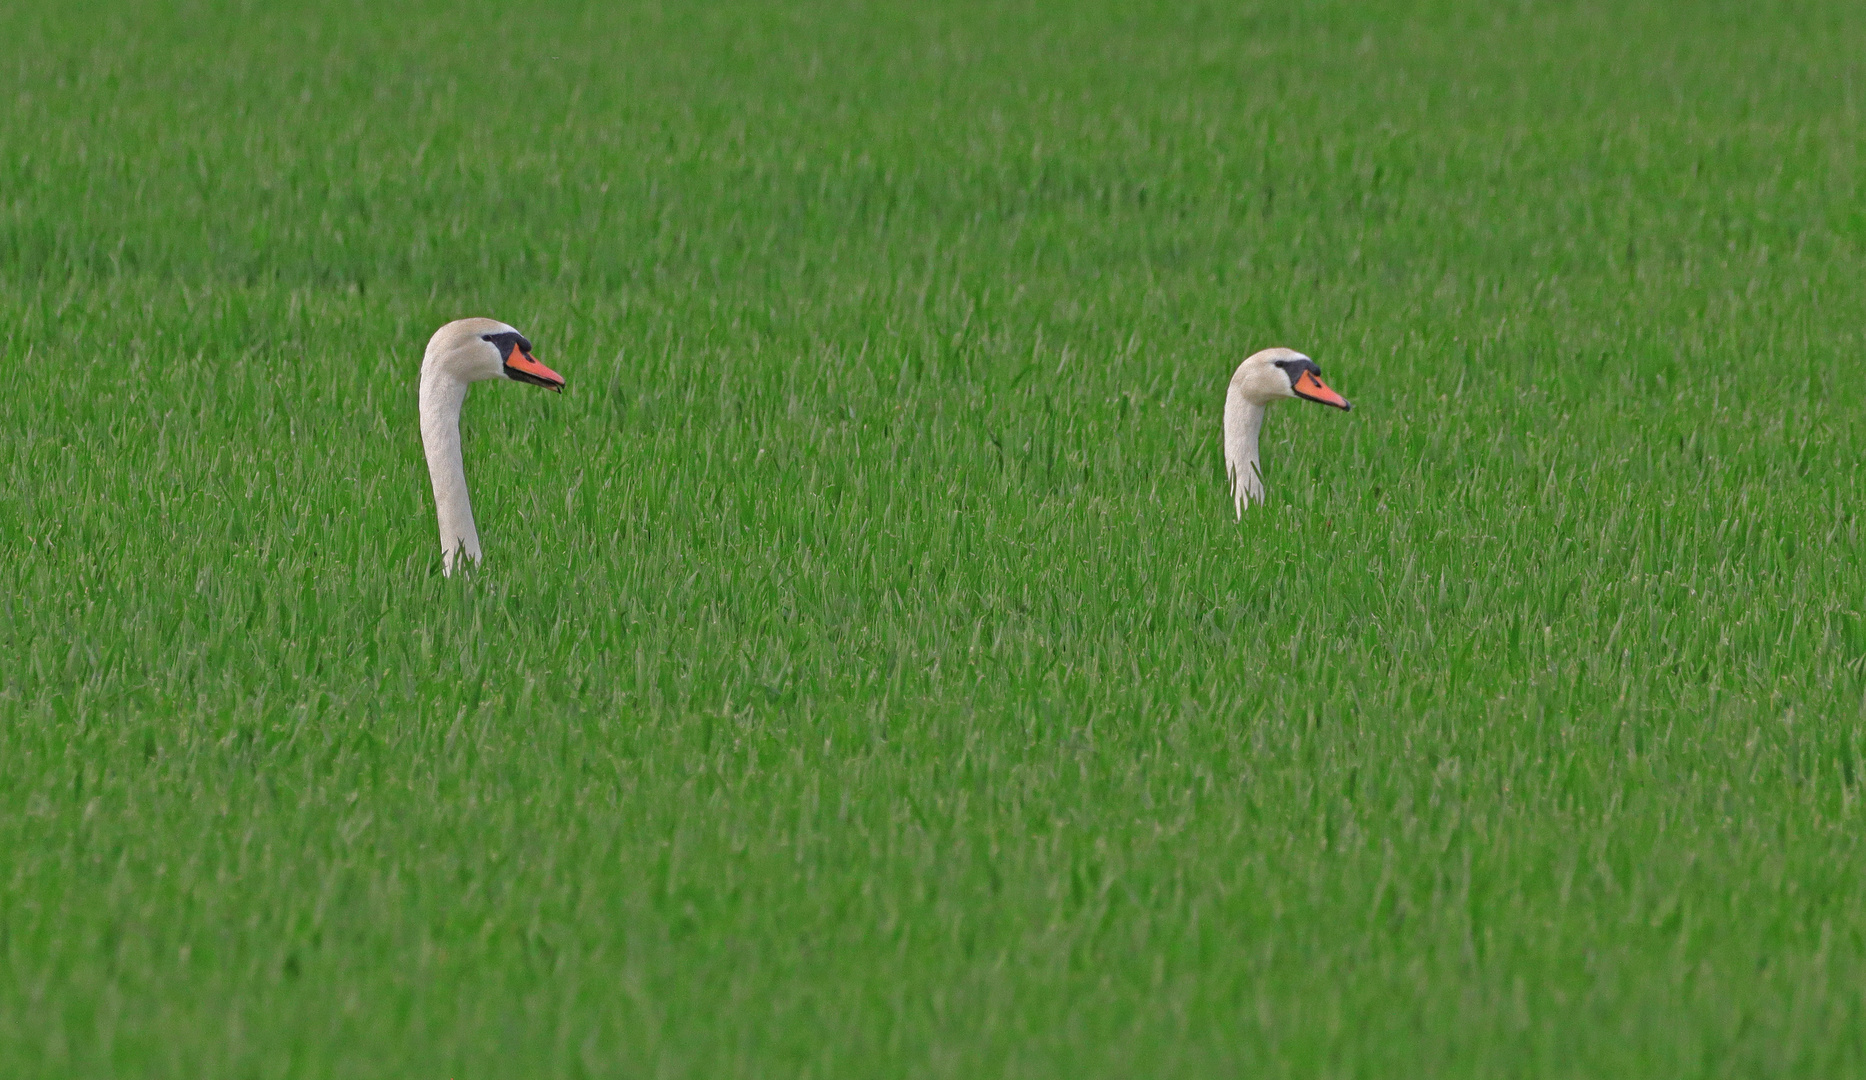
{"x":867,"y":677}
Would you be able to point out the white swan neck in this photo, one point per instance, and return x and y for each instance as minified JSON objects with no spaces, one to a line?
{"x":442,"y":396}
{"x":1243,"y":422}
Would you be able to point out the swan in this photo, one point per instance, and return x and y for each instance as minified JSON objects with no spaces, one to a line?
{"x":462,"y":352}
{"x":1264,"y":377}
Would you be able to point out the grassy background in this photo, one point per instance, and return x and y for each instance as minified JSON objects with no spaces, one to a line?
{"x":867,"y":677}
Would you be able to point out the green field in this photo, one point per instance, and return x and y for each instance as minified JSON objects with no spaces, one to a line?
{"x":867,"y":676}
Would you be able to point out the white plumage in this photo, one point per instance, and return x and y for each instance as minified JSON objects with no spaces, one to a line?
{"x":1263,"y":377}
{"x":463,"y":352}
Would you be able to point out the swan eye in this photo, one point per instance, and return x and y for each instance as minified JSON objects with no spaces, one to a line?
{"x":507,"y":343}
{"x":1293,"y":369}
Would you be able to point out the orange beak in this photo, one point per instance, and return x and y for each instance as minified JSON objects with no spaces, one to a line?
{"x":1314,"y":389}
{"x":528,"y":369}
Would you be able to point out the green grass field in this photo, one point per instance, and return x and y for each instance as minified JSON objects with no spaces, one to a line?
{"x":867,"y":677}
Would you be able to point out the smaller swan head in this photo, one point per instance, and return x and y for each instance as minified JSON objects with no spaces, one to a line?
{"x":1273,"y":374}
{"x":473,"y":350}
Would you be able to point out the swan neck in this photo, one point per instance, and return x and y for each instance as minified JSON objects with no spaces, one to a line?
{"x":1243,"y":422}
{"x":442,"y":396}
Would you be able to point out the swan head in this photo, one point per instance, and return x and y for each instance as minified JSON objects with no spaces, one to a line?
{"x":1274,"y":374}
{"x":473,"y":350}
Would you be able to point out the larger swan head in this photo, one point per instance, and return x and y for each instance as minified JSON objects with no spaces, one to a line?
{"x":1274,"y":374}
{"x":471,"y":350}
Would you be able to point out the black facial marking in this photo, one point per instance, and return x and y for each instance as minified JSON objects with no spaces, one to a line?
{"x":504,"y":343}
{"x":1295,"y":368}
